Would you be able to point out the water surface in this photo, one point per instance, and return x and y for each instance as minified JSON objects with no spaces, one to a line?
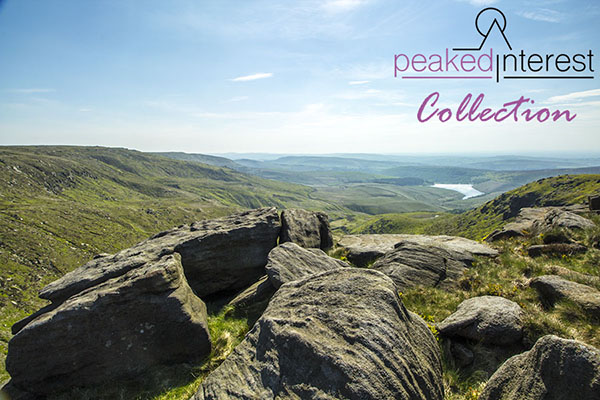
{"x":468,"y":190}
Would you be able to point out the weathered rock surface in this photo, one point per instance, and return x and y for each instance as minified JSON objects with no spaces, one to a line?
{"x":554,"y":368}
{"x":118,"y":328}
{"x":341,"y":334}
{"x":120,"y":314}
{"x":571,"y":275}
{"x":552,"y":288}
{"x":364,"y":249}
{"x":289,"y":262}
{"x":486,"y":319}
{"x":232,"y":251}
{"x":555,"y":249}
{"x":533,"y":221}
{"x":411,"y":264}
{"x":260,"y":291}
{"x":306,"y":228}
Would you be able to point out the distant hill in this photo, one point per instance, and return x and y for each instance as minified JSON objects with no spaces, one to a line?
{"x":61,"y":205}
{"x":554,"y":191}
{"x":481,"y":221}
{"x":201,"y":158}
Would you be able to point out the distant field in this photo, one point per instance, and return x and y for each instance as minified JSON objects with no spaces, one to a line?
{"x":375,"y":198}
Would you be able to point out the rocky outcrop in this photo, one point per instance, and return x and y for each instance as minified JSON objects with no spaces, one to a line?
{"x":289,"y":262}
{"x":115,"y":329}
{"x":552,"y":288}
{"x":306,"y":228}
{"x":554,"y":368}
{"x":486,"y":319}
{"x":232,"y":251}
{"x":555,"y":249}
{"x":253,"y":296}
{"x":412,"y":264}
{"x":364,"y":249}
{"x":120,"y":314}
{"x":533,"y":221}
{"x":341,"y":334}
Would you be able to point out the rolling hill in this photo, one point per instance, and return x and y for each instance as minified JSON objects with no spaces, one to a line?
{"x":481,"y":221}
{"x":59,"y":206}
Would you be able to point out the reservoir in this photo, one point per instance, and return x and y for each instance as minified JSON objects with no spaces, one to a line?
{"x":468,"y":190}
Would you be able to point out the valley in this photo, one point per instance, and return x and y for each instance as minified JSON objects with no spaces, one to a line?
{"x":62,"y":205}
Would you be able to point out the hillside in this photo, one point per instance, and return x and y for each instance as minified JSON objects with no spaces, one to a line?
{"x":201,"y":158}
{"x":481,"y":221}
{"x":59,"y":206}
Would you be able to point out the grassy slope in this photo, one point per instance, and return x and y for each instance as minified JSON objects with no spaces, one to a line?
{"x":481,"y":221}
{"x":61,"y":205}
{"x":506,"y":276}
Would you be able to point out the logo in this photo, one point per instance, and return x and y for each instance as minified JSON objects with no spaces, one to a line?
{"x":486,"y":64}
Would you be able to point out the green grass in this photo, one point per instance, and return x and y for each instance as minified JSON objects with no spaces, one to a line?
{"x":508,"y":276}
{"x":415,"y":223}
{"x":61,"y":205}
{"x":379,"y":198}
{"x":483,"y":220}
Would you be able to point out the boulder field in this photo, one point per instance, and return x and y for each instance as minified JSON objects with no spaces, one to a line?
{"x":363,"y":250}
{"x":120,"y":314}
{"x":533,"y":221}
{"x":554,"y":368}
{"x":340,"y":334}
{"x":325,"y":329}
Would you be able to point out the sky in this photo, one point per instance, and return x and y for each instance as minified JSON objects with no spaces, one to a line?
{"x":279,"y":76}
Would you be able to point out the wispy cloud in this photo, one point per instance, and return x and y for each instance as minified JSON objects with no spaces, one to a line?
{"x":362,"y":72}
{"x":30,"y":90}
{"x":542,"y":14}
{"x":336,"y":6}
{"x":358,"y":82}
{"x":235,"y":99}
{"x":252,"y":77}
{"x":575,"y":96}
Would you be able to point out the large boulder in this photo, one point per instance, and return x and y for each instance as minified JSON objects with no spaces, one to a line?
{"x":364,"y":249}
{"x":341,"y":334}
{"x":232,"y":251}
{"x":121,"y":314}
{"x":486,"y":319}
{"x":412,"y":264}
{"x":289,"y":262}
{"x":533,"y":221}
{"x":306,"y":228}
{"x":115,"y":329}
{"x":554,"y":368}
{"x":552,"y":288}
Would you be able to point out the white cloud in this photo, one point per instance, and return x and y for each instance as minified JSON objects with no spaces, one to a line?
{"x":30,"y":90}
{"x":574,"y":96}
{"x":335,"y":6}
{"x":542,"y":14}
{"x":365,"y":72}
{"x":358,"y":82}
{"x":235,"y":99}
{"x":252,"y":77}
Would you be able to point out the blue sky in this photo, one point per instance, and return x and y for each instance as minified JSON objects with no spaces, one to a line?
{"x":277,"y":76}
